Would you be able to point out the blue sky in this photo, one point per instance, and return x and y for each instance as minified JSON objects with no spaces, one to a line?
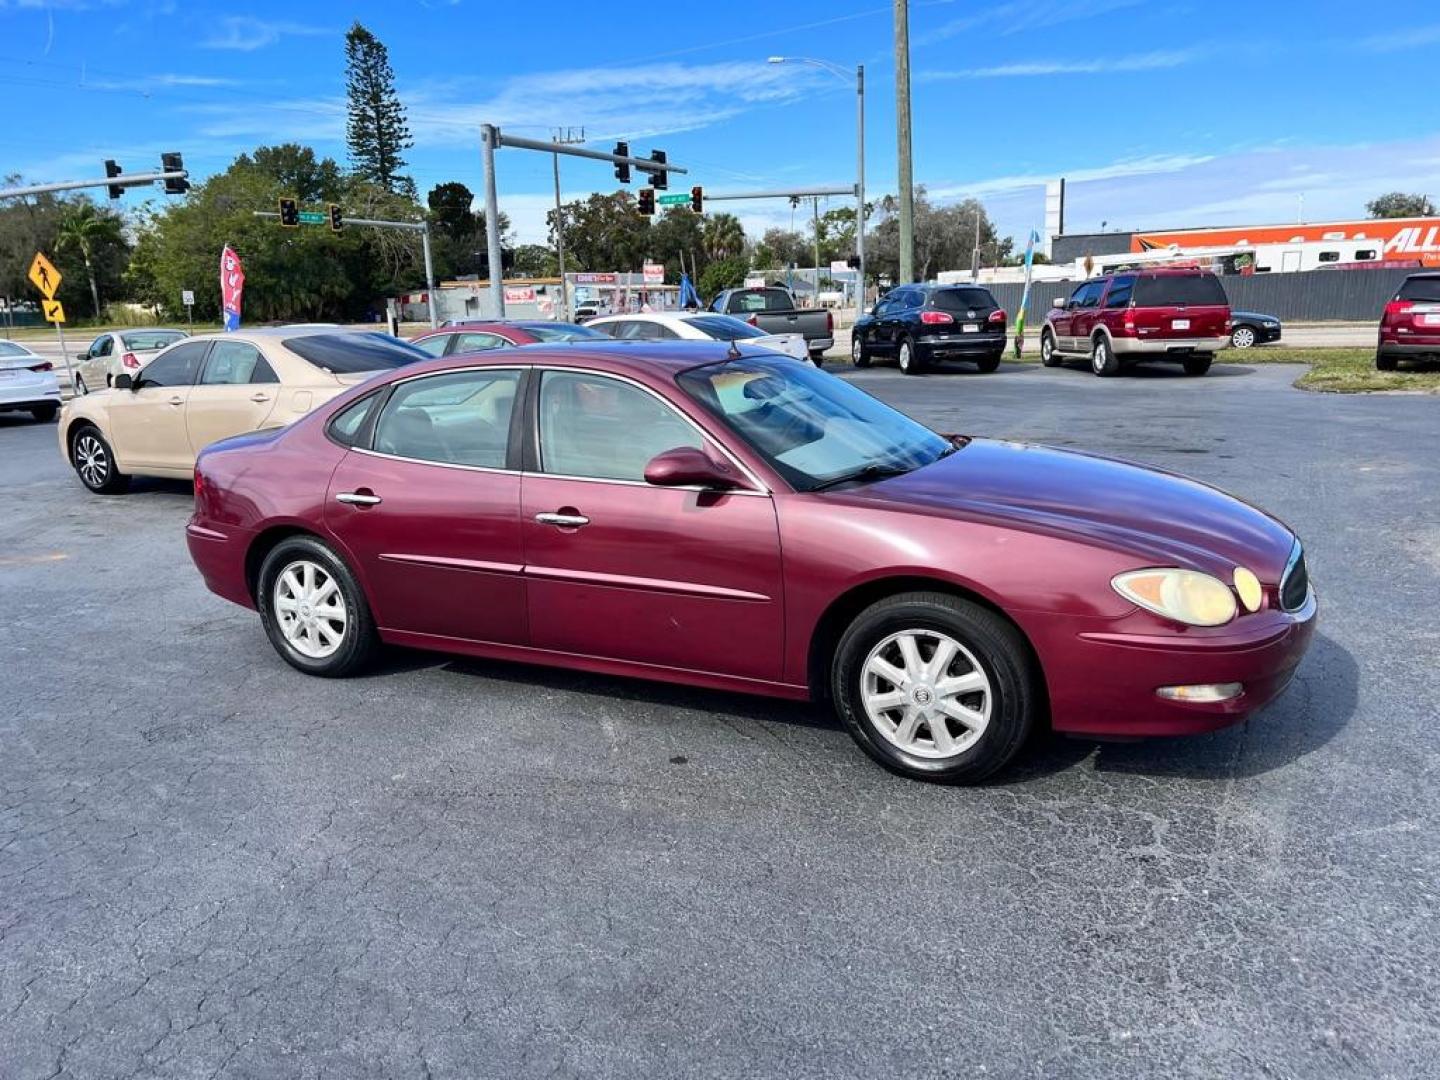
{"x":1158,"y":113}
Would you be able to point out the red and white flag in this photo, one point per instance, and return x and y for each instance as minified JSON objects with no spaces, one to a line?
{"x":232,"y":287}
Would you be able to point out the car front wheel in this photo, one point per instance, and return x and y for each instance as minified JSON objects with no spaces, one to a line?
{"x":94,"y":462}
{"x":313,"y":610}
{"x":1049,"y":355}
{"x":859,"y":355}
{"x":935,"y":687}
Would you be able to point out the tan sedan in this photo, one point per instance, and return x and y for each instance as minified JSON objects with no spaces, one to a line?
{"x":211,"y":387}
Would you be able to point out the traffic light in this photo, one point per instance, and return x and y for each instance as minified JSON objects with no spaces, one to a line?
{"x":290,"y":213}
{"x":659,"y":179}
{"x":112,"y":170}
{"x":697,"y":199}
{"x":337,"y":218}
{"x":622,"y":168}
{"x":177,"y":185}
{"x":853,"y":262}
{"x":646,"y":197}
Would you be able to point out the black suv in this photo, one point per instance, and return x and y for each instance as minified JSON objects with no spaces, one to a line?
{"x":919,"y":324}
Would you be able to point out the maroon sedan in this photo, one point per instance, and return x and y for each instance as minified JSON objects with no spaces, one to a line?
{"x":731,"y":519}
{"x":468,"y":337}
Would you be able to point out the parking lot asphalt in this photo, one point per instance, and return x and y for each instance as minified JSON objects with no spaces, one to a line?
{"x":212,"y":865}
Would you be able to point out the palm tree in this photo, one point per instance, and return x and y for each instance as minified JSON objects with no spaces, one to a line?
{"x":723,"y":236}
{"x":84,"y":229}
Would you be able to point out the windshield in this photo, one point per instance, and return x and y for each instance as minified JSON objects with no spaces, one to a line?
{"x":813,"y":428}
{"x":1174,"y":290}
{"x":150,"y":340}
{"x":562,"y":332}
{"x":349,"y":354}
{"x":724,"y":327}
{"x":1425,"y":290}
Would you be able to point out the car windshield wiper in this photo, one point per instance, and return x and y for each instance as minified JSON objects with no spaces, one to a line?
{"x":876,"y":471}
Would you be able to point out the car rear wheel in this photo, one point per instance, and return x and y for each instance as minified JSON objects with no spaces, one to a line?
{"x":990,"y":363}
{"x":45,"y":413}
{"x":859,"y":355}
{"x":1384,"y":363}
{"x":908,"y":361}
{"x":818,"y":359}
{"x":1198,"y":364}
{"x":94,"y":462}
{"x":1049,"y":355}
{"x":313,"y":610}
{"x":1242,"y":337}
{"x":935,"y":687}
{"x":1103,"y":360}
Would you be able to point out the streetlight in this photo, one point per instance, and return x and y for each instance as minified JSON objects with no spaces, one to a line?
{"x":844,"y":75}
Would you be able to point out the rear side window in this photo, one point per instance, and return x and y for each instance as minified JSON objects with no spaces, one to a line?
{"x":236,"y":362}
{"x":962,"y":299}
{"x":177,"y":367}
{"x":1176,"y":290}
{"x":1121,"y":290}
{"x":347,"y":425}
{"x":348,"y":354}
{"x":1425,"y":290}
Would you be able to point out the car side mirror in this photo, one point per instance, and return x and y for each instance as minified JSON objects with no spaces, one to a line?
{"x":685,"y":466}
{"x":124,"y":382}
{"x":1058,"y":303}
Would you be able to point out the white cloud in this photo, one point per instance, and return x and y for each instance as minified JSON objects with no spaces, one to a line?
{"x":146,"y":83}
{"x":1022,"y":16}
{"x":245,"y":33}
{"x":1143,"y":166}
{"x":1150,"y":61}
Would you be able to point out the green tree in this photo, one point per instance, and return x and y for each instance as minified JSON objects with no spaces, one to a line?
{"x":723,"y":237}
{"x":535,"y":261}
{"x":299,"y":172}
{"x":604,"y":232}
{"x":451,"y":210}
{"x":85,"y":230}
{"x":781,"y":248}
{"x":944,"y":237}
{"x":723,"y":273}
{"x":376,"y":130}
{"x":1396,"y":204}
{"x":676,"y":241}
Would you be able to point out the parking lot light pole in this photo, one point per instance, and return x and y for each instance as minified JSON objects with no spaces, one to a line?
{"x":840,"y":73}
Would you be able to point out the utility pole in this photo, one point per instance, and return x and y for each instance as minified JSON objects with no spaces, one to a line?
{"x":975,"y":251}
{"x":562,"y":138}
{"x":816,"y":226}
{"x":902,"y":138}
{"x":860,"y":189}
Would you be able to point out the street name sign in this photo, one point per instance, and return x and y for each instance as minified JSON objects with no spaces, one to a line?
{"x":310,"y":217}
{"x":679,"y":198}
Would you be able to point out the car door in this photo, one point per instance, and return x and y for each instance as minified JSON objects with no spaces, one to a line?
{"x":1063,"y":321}
{"x":428,"y":504}
{"x":95,"y":367}
{"x":621,"y":569}
{"x":1086,"y":314}
{"x":235,"y":393}
{"x":148,"y":422}
{"x":882,"y":339}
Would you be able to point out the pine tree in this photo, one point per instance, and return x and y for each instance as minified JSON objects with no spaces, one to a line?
{"x":375,"y":130}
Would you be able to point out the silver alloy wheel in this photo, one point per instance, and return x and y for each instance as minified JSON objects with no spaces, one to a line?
{"x":1047,"y":348}
{"x":855,"y":348}
{"x":1243,"y":337}
{"x":905,"y":358}
{"x":311,"y":609}
{"x":926,"y":693}
{"x":91,"y":461}
{"x":1098,"y":358}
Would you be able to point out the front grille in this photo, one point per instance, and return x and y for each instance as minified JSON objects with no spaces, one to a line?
{"x":1295,"y":586}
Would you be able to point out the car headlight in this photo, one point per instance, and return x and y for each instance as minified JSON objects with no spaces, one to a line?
{"x":1186,"y":596}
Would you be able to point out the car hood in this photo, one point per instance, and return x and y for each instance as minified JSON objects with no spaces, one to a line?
{"x":1253,"y":315}
{"x":1158,"y":517}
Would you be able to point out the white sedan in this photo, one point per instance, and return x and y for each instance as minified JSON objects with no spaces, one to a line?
{"x":27,"y":383}
{"x":696,"y":326}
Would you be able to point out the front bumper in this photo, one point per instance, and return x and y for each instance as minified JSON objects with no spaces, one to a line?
{"x":1177,"y":347}
{"x":1103,"y":680}
{"x":961,"y":344}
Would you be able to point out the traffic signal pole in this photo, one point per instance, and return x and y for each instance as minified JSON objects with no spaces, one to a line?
{"x":491,"y":140}
{"x":422,"y":227}
{"x":138,"y":180}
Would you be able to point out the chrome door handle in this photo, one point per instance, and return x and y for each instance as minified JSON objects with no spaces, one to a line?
{"x":177,"y":401}
{"x":572,"y":521}
{"x":354,"y":498}
{"x":259,"y":397}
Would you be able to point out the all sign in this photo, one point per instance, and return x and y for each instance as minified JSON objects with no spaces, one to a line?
{"x":44,"y":276}
{"x":54,"y":311}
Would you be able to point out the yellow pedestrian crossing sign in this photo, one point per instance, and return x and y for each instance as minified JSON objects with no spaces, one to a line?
{"x":44,"y":276}
{"x":54,"y":311}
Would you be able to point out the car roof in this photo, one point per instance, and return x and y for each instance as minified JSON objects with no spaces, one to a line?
{"x":272,"y":333}
{"x":1426,"y":274}
{"x":657,"y":359}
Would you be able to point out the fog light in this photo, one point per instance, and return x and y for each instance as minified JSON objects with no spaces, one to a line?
{"x":1204,"y":693}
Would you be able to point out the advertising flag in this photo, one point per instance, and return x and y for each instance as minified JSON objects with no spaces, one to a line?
{"x":1025,"y":296}
{"x":232,"y":287}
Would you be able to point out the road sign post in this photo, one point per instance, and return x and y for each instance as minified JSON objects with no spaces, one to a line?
{"x":46,"y":278}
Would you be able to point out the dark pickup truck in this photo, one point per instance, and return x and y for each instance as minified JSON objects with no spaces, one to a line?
{"x":773,"y":310}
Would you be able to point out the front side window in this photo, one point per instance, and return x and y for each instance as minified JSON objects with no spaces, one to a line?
{"x":233,"y":363}
{"x":459,"y":418}
{"x":103,"y":346}
{"x":436,"y":345}
{"x":175,"y":367}
{"x":813,"y":428}
{"x":595,"y":426}
{"x":1121,"y":289}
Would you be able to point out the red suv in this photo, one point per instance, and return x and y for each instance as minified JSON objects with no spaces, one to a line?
{"x":1410,"y":327}
{"x":1131,"y":315}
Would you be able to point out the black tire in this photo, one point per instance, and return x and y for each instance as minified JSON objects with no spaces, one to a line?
{"x":859,"y":354}
{"x":359,"y":641}
{"x":908,"y":358}
{"x":818,"y":359}
{"x":1001,"y":653}
{"x":1385,"y":363}
{"x":1103,"y":361}
{"x":80,"y":388}
{"x":1244,"y":336}
{"x":1049,"y":350}
{"x":45,"y":413}
{"x":1198,"y":364}
{"x":990,"y":363}
{"x":94,"y":462}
